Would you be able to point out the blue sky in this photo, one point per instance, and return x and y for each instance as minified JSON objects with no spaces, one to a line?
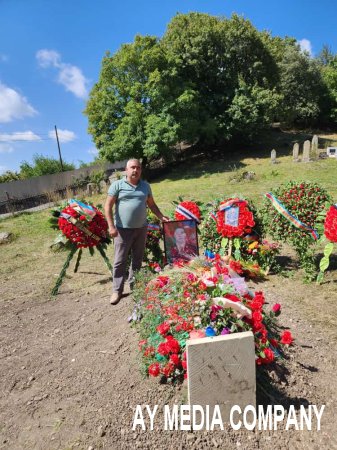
{"x":51,"y":52}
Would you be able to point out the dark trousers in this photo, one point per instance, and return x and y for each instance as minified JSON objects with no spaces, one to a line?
{"x":128,"y":239}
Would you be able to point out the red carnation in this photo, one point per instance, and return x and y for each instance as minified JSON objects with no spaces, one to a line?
{"x":163,"y":328}
{"x":163,"y":349}
{"x":168,"y":369}
{"x":98,"y":226}
{"x":172,"y":345}
{"x":154,"y":369}
{"x":245,"y":220}
{"x":276,"y":309}
{"x":175,"y":359}
{"x":330,"y":224}
{"x":286,"y":338}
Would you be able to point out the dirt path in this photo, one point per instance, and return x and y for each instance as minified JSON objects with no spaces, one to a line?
{"x":70,"y":376}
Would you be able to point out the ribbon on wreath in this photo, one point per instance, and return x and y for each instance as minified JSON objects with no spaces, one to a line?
{"x":153,"y":227}
{"x":227,"y":205}
{"x":186,"y":213}
{"x":281,"y":209}
{"x":83,"y":209}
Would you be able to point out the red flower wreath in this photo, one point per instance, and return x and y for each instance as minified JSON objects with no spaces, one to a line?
{"x":245,"y":220}
{"x":190,"y":206}
{"x":330,"y":224}
{"x":98,"y":226}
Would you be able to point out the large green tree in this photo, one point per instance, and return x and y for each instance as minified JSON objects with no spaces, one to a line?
{"x":125,"y":108}
{"x":207,"y":80}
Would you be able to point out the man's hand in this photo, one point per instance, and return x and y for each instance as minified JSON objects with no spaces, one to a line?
{"x":113,"y":232}
{"x":165,"y":219}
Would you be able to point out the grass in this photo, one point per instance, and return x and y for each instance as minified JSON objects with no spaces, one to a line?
{"x":209,"y":179}
{"x":28,"y":257}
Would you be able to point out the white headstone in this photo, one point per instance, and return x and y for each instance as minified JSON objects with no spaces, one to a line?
{"x":273,"y":156}
{"x":221,"y":371}
{"x":314,"y":147}
{"x":296,"y":151}
{"x":306,"y":151}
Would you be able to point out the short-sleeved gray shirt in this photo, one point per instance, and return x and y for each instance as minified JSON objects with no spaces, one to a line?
{"x":130,"y":206}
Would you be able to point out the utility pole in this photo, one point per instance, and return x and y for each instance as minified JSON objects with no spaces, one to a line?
{"x":58,"y":145}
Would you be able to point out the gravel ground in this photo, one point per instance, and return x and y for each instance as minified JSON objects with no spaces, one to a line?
{"x":70,"y":374}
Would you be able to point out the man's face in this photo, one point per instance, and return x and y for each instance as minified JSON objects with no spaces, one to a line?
{"x":133,"y":171}
{"x":180,"y":236}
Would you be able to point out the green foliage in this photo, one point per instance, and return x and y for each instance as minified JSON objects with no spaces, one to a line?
{"x":42,"y":165}
{"x":329,"y":73}
{"x":325,"y":261}
{"x":153,"y":251}
{"x":306,"y":201}
{"x":9,"y":176}
{"x":208,"y":80}
{"x":301,"y":87}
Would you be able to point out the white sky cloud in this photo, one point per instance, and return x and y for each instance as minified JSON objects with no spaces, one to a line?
{"x":93,"y":151}
{"x":70,"y":76}
{"x":13,"y":105}
{"x":6,"y":148}
{"x":64,"y":135}
{"x":305,"y":45}
{"x":19,"y":136}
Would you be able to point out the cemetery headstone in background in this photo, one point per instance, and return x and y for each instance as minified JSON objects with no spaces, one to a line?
{"x":296,"y":150}
{"x":306,"y":151}
{"x":273,"y":156}
{"x":314,"y":147}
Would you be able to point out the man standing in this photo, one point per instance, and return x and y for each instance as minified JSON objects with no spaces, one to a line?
{"x":131,"y":196}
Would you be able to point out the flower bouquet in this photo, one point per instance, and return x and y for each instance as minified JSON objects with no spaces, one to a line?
{"x":205,"y":297}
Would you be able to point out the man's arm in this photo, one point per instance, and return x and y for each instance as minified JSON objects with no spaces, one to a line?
{"x":154,"y":208}
{"x":109,"y":203}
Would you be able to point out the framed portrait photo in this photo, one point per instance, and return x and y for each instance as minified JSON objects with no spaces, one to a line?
{"x":180,"y":240}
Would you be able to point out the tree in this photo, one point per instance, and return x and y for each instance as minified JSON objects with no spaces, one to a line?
{"x":125,"y":108}
{"x":301,"y":87}
{"x":42,"y":165}
{"x":329,"y":74}
{"x":9,"y":176}
{"x":215,"y":62}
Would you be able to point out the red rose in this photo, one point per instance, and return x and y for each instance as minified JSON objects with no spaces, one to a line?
{"x":286,"y":338}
